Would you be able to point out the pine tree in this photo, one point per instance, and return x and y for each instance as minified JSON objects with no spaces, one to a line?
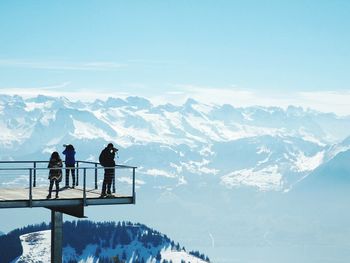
{"x":97,"y":252}
{"x":124,"y":255}
{"x":117,"y":260}
{"x":159,"y":256}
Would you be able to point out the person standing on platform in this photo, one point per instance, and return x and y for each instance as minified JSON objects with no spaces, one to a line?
{"x":69,"y":152}
{"x":107,"y":160}
{"x":55,"y":174}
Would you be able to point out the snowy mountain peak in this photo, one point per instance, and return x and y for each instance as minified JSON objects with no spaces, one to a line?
{"x":190,"y":102}
{"x":42,"y":99}
{"x":139,"y":103}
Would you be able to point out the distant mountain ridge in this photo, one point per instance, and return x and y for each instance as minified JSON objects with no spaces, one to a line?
{"x":231,"y":178}
{"x":263,"y":147}
{"x":86,"y":241}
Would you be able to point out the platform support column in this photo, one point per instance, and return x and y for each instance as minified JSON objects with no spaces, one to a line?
{"x":56,"y":236}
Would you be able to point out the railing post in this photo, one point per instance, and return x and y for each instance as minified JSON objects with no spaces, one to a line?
{"x":30,"y":187}
{"x":113,"y":180}
{"x":34,"y":182}
{"x":84,"y":189}
{"x":77,"y":183}
{"x":95,"y":175}
{"x":66,"y":175}
{"x":133,"y":186}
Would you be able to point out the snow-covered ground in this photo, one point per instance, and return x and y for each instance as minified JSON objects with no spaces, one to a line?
{"x":179,"y":257}
{"x":36,"y":249}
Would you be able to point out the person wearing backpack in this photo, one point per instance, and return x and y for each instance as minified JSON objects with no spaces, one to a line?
{"x":107,"y":160}
{"x":55,"y":174}
{"x":69,"y":153}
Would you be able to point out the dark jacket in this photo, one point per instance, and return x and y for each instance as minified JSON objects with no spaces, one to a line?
{"x":70,"y":157}
{"x":55,"y":173}
{"x":107,"y":158}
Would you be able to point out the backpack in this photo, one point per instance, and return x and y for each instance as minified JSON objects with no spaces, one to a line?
{"x":102,"y":158}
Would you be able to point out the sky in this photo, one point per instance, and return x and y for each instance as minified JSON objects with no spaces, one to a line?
{"x":239,"y":52}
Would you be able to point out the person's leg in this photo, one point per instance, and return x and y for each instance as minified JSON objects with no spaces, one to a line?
{"x":50,"y":189}
{"x":57,"y":183}
{"x":103,"y":192}
{"x":67,"y":176}
{"x":109,"y":180}
{"x":109,"y":184}
{"x":73,"y":175}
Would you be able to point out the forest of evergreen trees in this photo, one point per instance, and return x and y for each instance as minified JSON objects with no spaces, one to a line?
{"x":79,"y":234}
{"x":109,"y":234}
{"x":199,"y":255}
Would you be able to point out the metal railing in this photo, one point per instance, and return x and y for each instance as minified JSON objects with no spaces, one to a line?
{"x":33,"y":170}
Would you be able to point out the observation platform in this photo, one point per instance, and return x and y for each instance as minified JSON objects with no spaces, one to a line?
{"x":25,"y":184}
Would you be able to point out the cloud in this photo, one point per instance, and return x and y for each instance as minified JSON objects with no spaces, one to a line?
{"x":33,"y":91}
{"x":63,"y":90}
{"x":324,"y":101}
{"x":57,"y":86}
{"x":155,"y":62}
{"x":328,"y":101}
{"x":61,"y":65}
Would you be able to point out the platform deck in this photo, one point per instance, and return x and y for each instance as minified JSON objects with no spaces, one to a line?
{"x":19,"y":197}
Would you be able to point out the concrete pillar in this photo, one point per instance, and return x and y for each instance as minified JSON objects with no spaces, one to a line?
{"x":56,"y":236}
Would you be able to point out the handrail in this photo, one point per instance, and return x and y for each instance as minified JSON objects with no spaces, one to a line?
{"x":60,"y":168}
{"x":78,"y":161}
{"x":117,"y":165}
{"x":24,"y":161}
{"x":32,"y":170}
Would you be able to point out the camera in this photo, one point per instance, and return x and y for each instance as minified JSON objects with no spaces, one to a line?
{"x":115,"y":149}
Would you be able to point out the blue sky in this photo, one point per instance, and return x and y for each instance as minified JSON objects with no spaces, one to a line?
{"x":273,"y":52}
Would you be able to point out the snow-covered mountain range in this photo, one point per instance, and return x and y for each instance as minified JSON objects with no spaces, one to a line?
{"x":241,"y":184}
{"x":86,"y":241}
{"x":266,"y":148}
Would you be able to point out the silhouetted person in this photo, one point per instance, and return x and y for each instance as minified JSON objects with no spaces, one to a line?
{"x":69,"y":153}
{"x":55,"y":174}
{"x":107,"y":160}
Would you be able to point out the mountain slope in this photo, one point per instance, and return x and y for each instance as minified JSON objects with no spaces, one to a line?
{"x":85,"y":241}
{"x":333,"y":175}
